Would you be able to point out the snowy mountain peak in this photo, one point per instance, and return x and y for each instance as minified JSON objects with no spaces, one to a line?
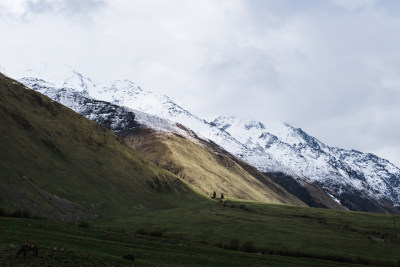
{"x":57,"y":76}
{"x":255,"y":129}
{"x":125,"y":86}
{"x":224,"y":122}
{"x":84,"y":84}
{"x":254,"y":124}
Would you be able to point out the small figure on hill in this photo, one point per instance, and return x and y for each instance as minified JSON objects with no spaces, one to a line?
{"x":214,"y":195}
{"x":26,"y":248}
{"x":129,"y":257}
{"x":222,"y":195}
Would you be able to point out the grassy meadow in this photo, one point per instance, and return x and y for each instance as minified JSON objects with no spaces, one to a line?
{"x":340,"y":236}
{"x":209,"y":234}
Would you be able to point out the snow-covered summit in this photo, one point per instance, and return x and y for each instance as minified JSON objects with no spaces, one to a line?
{"x":58,"y":76}
{"x":252,"y":129}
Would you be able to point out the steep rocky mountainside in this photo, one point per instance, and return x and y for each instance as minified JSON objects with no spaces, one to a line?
{"x":329,"y":175}
{"x":57,"y":164}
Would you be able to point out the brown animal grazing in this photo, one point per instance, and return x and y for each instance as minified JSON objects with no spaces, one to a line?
{"x":28,"y":247}
{"x":129,"y":257}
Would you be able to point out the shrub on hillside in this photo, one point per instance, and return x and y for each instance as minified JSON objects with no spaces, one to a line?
{"x":219,"y":244}
{"x":26,"y":214}
{"x":84,"y":224}
{"x":141,"y":232}
{"x":3,"y":212}
{"x":248,"y":247}
{"x":234,"y":244}
{"x":156,"y":233}
{"x":17,"y":214}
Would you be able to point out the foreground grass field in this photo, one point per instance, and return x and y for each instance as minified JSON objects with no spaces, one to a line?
{"x":340,"y":236}
{"x":68,"y":245}
{"x":209,"y":234}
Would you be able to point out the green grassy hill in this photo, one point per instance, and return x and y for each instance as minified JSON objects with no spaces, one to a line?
{"x":56,"y":163}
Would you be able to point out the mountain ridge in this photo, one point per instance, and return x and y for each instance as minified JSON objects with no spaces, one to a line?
{"x":279,"y":148}
{"x":175,"y":148}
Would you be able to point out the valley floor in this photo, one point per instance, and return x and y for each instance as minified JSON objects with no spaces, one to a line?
{"x":209,"y":234}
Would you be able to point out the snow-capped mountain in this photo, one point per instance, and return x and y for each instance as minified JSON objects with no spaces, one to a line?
{"x":126,"y":93}
{"x":337,"y":170}
{"x":159,"y":139}
{"x":117,"y":118}
{"x":348,"y":177}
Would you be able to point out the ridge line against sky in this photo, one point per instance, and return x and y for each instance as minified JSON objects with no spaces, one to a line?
{"x":331,"y":68}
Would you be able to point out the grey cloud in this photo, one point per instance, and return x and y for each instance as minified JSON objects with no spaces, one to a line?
{"x":67,"y":7}
{"x":247,"y":69}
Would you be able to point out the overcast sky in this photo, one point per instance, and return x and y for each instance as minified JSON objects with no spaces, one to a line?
{"x":329,"y":67}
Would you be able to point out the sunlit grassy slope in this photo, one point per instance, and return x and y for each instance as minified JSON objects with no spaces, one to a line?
{"x":209,"y":168}
{"x":55,"y":163}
